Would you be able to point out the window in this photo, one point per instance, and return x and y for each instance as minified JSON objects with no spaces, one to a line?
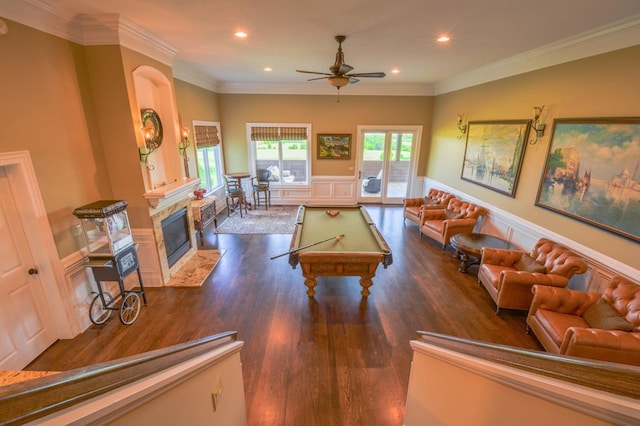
{"x":283,"y":149}
{"x":209,"y":154}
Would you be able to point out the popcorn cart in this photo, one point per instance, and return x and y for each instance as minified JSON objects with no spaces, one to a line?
{"x":112,"y":257}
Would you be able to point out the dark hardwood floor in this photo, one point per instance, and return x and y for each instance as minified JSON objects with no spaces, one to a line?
{"x":336,"y":359}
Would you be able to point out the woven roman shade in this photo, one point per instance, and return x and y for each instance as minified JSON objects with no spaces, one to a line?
{"x":293,"y":133}
{"x":278,"y":133}
{"x":206,"y":136}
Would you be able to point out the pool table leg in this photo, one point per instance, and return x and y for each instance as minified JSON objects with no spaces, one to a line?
{"x":311,"y":283}
{"x":366,"y":282}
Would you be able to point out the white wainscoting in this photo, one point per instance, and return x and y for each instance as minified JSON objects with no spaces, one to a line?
{"x":334,"y":190}
{"x":525,"y":234}
{"x":290,"y":194}
{"x":150,"y":267}
{"x":81,"y":287}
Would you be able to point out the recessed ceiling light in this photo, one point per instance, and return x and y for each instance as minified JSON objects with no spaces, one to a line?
{"x":268,"y":69}
{"x":240,"y":34}
{"x":395,"y":71}
{"x":443,"y":38}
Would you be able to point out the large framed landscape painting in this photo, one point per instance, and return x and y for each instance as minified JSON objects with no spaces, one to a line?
{"x":592,"y":173}
{"x":494,"y":152}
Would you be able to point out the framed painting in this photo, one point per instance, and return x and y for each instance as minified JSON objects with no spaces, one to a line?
{"x":494,"y":152}
{"x":592,"y":173}
{"x":334,"y":146}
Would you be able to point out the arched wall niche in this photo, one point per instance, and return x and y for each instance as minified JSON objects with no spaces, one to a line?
{"x":154,"y":90}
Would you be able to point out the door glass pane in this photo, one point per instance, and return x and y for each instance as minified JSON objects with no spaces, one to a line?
{"x":399,"y":164}
{"x":372,"y":163}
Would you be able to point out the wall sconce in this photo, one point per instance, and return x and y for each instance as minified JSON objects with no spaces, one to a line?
{"x":151,"y":134}
{"x":536,"y":125}
{"x":184,"y":142}
{"x":462,"y":126}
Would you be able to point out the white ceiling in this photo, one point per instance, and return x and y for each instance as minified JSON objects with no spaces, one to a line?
{"x":489,"y":38}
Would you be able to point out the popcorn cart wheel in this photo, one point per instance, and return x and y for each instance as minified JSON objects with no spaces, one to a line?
{"x":104,"y":303}
{"x":100,"y":310}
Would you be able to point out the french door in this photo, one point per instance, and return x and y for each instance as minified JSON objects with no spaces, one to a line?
{"x":386,"y":162}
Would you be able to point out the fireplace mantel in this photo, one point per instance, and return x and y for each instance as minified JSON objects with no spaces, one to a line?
{"x":170,"y":193}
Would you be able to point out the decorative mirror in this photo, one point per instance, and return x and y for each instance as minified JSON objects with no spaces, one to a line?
{"x":152,"y":129}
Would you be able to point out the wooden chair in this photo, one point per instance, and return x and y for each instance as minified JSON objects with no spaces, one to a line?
{"x":260,"y":184}
{"x":235,"y":196}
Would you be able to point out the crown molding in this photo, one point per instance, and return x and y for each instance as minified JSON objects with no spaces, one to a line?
{"x":48,"y":16}
{"x":106,"y":29}
{"x":87,"y":30}
{"x":188,"y":74}
{"x":622,"y":34}
{"x":371,"y":89}
{"x":43,"y":16}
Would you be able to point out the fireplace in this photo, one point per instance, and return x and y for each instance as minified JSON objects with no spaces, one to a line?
{"x":175,"y":230}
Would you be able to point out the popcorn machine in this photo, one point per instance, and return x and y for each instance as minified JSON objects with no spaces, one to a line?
{"x":112,"y":257}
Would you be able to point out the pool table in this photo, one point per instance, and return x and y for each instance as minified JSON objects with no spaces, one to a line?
{"x":357,"y":253}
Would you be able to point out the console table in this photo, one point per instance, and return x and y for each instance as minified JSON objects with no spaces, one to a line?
{"x":204,"y":212}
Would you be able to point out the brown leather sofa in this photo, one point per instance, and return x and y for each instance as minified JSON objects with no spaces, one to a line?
{"x":577,"y":323}
{"x":508,"y":275}
{"x":435,"y":199}
{"x":458,"y":217}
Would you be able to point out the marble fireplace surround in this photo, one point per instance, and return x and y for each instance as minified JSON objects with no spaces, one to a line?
{"x":156,"y":219}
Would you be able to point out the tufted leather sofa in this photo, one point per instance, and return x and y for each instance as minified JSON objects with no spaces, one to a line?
{"x":435,"y":199}
{"x":556,"y":318}
{"x":458,"y":217}
{"x":509,"y":285}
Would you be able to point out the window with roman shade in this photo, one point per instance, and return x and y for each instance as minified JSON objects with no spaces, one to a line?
{"x":284,"y":150}
{"x":209,"y":154}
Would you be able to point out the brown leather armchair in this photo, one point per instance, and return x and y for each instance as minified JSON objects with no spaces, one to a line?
{"x":508,"y":275}
{"x":441,"y":224}
{"x":435,"y":199}
{"x":560,"y":319}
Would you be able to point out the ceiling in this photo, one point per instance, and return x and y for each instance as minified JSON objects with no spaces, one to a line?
{"x":489,"y":39}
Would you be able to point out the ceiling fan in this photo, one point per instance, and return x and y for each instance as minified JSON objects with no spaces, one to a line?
{"x":340,"y":72}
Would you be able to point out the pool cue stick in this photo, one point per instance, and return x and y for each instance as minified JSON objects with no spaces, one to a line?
{"x":337,"y":237}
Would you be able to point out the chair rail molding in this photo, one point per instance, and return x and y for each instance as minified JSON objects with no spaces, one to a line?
{"x":525,"y":234}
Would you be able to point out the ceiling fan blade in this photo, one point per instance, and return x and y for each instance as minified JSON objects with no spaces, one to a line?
{"x":345,"y":68}
{"x":367,"y":74}
{"x":314,"y":72}
{"x":320,"y":78}
{"x":353,"y":80}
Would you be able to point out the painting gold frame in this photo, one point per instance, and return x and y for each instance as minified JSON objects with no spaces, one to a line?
{"x":332,"y":146}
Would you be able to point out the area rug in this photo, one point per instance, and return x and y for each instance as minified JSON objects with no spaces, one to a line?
{"x":276,"y":220}
{"x":197,"y":269}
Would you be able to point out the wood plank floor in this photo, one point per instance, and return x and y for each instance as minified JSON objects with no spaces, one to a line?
{"x":336,"y":359}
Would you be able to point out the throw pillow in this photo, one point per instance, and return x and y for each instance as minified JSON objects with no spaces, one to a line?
{"x":452,"y":214}
{"x":603,"y":316}
{"x":529,"y":264}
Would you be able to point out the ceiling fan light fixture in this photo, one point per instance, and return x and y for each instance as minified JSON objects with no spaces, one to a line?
{"x":338,"y":81}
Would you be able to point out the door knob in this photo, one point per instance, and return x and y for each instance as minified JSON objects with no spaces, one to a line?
{"x":33,"y":271}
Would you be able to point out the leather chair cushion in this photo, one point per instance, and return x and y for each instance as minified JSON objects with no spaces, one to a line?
{"x":603,"y":316}
{"x":529,"y":264}
{"x":491,"y":273}
{"x":414,"y":211}
{"x":556,"y":323}
{"x":436,"y":225}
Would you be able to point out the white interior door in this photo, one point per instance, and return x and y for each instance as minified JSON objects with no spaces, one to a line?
{"x":26,"y":323}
